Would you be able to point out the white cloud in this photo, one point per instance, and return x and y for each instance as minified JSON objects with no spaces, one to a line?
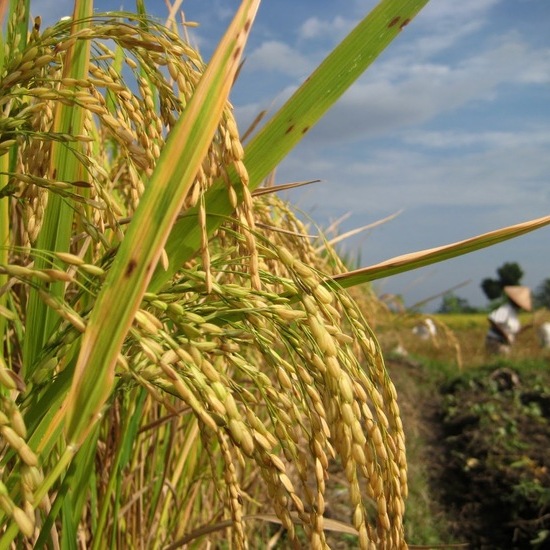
{"x":394,"y":178}
{"x":445,"y":23}
{"x":442,"y":38}
{"x":315,"y":27}
{"x":246,"y":114}
{"x":456,"y":140}
{"x":396,"y":94}
{"x":450,"y":10}
{"x":278,"y":56}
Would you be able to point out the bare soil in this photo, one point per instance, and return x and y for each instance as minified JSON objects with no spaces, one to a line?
{"x":484,"y":440}
{"x":495,"y":449}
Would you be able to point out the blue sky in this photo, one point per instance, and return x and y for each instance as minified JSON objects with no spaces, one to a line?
{"x":451,"y":125}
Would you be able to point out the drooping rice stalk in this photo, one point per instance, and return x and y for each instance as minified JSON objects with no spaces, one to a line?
{"x":173,"y":347}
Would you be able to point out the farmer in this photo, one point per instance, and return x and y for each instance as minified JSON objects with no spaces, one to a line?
{"x":544,"y":335}
{"x":504,"y":321}
{"x":426,"y":329}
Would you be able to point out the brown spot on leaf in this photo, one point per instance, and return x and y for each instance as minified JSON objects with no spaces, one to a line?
{"x":305,"y":129}
{"x":393,"y":22}
{"x":237,"y":53}
{"x":247,"y":25}
{"x":132,"y":264}
{"x":404,"y":24}
{"x":289,"y":129}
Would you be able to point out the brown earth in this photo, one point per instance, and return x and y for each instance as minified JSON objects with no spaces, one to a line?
{"x":485,"y":438}
{"x":495,"y":447}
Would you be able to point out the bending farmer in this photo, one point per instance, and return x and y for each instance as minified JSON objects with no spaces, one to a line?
{"x":504,"y":321}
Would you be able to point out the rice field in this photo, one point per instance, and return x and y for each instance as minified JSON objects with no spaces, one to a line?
{"x":460,"y":338}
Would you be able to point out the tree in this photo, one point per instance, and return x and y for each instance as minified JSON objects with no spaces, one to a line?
{"x":509,"y":274}
{"x":491,"y":288}
{"x":455,"y":304}
{"x":541,"y":296}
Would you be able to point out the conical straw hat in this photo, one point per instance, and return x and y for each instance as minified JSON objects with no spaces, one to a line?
{"x":520,"y":295}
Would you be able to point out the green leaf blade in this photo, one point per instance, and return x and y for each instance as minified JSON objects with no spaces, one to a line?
{"x":415,"y":260}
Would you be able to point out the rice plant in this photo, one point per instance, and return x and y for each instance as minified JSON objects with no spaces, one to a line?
{"x":178,"y":363}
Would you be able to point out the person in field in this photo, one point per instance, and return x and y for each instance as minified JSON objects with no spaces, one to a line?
{"x":504,"y":324}
{"x":426,"y":329}
{"x":544,"y":335}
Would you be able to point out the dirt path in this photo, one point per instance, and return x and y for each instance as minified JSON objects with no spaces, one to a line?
{"x":478,"y":452}
{"x":427,"y":521}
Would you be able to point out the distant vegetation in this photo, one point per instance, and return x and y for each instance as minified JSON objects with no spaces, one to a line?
{"x":451,"y":303}
{"x":541,"y":296}
{"x":509,"y":273}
